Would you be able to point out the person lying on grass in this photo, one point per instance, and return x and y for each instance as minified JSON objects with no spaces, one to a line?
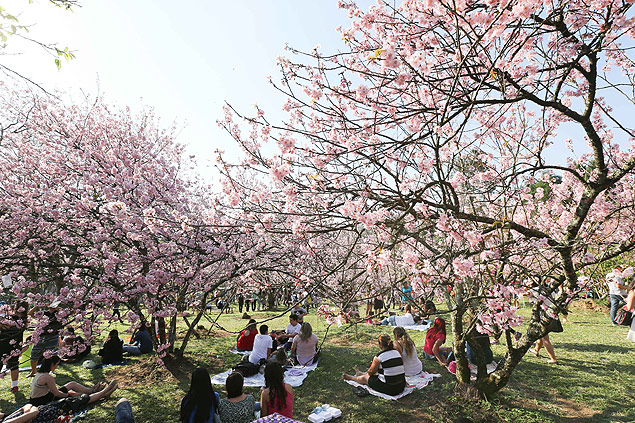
{"x":44,"y":389}
{"x":435,"y":338}
{"x":50,"y":413}
{"x":408,"y":319}
{"x":386,"y":373}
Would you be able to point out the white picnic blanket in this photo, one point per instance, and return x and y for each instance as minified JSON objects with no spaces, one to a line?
{"x":412,"y":382}
{"x":418,"y":327}
{"x":294,"y":376}
{"x":235,"y":351}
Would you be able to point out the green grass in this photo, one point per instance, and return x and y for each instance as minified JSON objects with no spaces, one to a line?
{"x":592,"y":383}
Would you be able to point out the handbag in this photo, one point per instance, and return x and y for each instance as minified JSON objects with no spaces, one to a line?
{"x":555,"y":326}
{"x":623,"y":317}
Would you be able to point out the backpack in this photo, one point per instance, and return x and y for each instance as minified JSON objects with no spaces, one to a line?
{"x":246,"y":368}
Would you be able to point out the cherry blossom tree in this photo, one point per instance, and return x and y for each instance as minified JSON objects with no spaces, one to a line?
{"x":484,"y":146}
{"x":99,"y":207}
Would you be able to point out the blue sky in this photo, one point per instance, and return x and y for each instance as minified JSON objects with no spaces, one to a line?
{"x":183,"y":58}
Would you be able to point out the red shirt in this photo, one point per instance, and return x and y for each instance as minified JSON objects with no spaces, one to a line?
{"x":431,"y":339}
{"x":246,"y":342}
{"x":287,"y":411}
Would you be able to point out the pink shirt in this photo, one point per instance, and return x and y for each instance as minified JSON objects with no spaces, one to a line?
{"x":305,"y":350}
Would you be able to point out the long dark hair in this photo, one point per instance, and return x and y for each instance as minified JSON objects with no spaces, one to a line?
{"x":47,"y":363}
{"x":274,"y":380}
{"x":200,"y":396}
{"x":113,"y":337}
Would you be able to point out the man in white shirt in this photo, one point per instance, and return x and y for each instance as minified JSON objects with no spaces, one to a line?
{"x":293,"y":328}
{"x":617,"y":291}
{"x":262,"y":346}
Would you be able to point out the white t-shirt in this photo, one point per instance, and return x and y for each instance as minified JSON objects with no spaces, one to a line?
{"x":261,"y":344}
{"x":293,"y":329}
{"x":612,"y":280}
{"x":405,"y":320}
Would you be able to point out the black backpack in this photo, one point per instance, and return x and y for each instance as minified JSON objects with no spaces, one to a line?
{"x":246,"y":368}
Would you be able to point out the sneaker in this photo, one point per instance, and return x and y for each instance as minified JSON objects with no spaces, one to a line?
{"x":14,"y":390}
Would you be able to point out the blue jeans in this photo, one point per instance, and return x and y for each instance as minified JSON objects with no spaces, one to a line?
{"x":616,"y":302}
{"x":123,"y":413}
{"x":131,"y":349}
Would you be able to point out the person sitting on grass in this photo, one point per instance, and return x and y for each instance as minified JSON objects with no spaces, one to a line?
{"x":406,"y":347}
{"x":386,"y":373}
{"x":77,"y":347}
{"x":305,"y":345}
{"x":200,"y":404}
{"x":263,"y":344}
{"x":245,"y":339}
{"x":429,"y":310}
{"x":277,"y":397}
{"x":112,"y":350}
{"x":435,"y":338}
{"x":238,"y":407}
{"x":280,"y":357}
{"x":49,"y":413}
{"x":141,"y":341}
{"x":44,"y":389}
{"x":293,"y":328}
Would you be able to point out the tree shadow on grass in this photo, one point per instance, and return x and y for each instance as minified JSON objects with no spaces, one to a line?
{"x":595,"y":348}
{"x":536,"y":384}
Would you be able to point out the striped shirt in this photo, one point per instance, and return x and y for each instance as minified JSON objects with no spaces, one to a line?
{"x":391,"y":369}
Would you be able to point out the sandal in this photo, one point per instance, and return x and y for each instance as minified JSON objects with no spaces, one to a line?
{"x":360,"y":391}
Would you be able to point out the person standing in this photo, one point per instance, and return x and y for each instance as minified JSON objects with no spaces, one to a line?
{"x":241,"y":301}
{"x":406,"y":294}
{"x":11,"y":337}
{"x":617,"y":291}
{"x":50,"y":336}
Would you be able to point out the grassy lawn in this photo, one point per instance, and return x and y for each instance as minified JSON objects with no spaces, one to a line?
{"x":592,"y":382}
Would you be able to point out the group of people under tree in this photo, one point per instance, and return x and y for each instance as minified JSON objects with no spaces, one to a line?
{"x":47,"y":400}
{"x":202,"y":404}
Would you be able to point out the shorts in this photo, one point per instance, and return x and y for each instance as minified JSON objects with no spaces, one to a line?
{"x":8,"y":350}
{"x":123,"y":413}
{"x":386,"y":388}
{"x":46,"y":343}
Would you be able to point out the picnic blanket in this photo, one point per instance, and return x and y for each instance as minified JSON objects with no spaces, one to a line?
{"x":421,"y":328}
{"x":412,"y":382}
{"x":235,"y":351}
{"x":275,"y":418}
{"x":294,"y":376}
{"x":118,"y":363}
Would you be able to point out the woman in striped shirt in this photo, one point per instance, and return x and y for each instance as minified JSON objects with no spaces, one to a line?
{"x":386,"y":373}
